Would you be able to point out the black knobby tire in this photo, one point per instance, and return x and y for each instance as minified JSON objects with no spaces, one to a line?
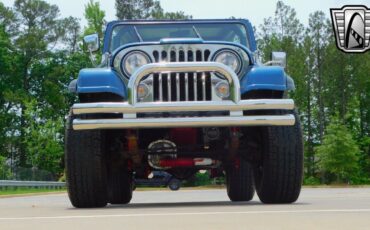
{"x":85,"y":168}
{"x":120,"y":185}
{"x":278,"y":177}
{"x":239,"y":181}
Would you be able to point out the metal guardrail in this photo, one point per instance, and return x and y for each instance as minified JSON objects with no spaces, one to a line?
{"x":31,"y":184}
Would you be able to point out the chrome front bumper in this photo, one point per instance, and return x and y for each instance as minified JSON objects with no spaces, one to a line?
{"x":234,"y":107}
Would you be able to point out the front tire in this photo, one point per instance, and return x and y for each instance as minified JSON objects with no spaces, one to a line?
{"x":239,"y":181}
{"x":278,"y":176}
{"x":120,"y":185}
{"x":86,"y":168}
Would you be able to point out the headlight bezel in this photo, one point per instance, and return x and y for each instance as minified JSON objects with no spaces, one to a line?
{"x":133,"y":52}
{"x":235,"y":53}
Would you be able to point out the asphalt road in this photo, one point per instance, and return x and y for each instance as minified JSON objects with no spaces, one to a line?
{"x":344,"y":208}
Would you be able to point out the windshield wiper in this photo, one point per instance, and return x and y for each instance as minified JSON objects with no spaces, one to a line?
{"x":138,"y":34}
{"x":197,"y":32}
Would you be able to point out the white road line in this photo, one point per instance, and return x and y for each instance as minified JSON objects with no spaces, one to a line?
{"x":188,"y":214}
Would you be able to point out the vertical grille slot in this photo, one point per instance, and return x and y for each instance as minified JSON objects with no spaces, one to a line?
{"x":206,"y":55}
{"x":172,"y":86}
{"x":199,"y":55}
{"x":156,"y":56}
{"x":208,"y":87}
{"x":172,"y":56}
{"x":164,"y":56}
{"x":190,"y":86}
{"x":165,"y":87}
{"x":181,"y":56}
{"x":156,"y":87}
{"x":190,"y":55}
{"x":199,"y":86}
{"x":182,"y":87}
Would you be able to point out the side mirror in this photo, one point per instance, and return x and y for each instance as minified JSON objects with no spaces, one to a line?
{"x":72,"y":87}
{"x":91,"y":42}
{"x":278,"y":58}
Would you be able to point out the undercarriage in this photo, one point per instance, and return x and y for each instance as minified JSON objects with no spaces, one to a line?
{"x":181,"y":151}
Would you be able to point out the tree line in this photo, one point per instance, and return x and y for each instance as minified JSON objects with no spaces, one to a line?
{"x":332,"y":95}
{"x":41,"y":52}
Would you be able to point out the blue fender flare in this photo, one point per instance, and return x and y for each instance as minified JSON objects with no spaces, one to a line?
{"x":266,"y":78}
{"x":106,"y":80}
{"x":100,"y":80}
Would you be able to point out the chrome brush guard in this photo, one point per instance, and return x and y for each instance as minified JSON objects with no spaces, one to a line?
{"x":234,"y":107}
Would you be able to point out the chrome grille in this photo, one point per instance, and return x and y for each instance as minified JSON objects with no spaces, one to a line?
{"x":181,"y":55}
{"x":179,"y":86}
{"x":182,"y":86}
{"x":190,"y":86}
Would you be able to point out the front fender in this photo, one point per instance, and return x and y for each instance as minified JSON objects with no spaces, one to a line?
{"x":100,"y":80}
{"x":266,"y":78}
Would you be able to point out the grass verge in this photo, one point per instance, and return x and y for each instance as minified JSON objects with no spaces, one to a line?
{"x":22,"y":191}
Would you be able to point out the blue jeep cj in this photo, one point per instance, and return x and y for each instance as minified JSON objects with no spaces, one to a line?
{"x":182,"y":96}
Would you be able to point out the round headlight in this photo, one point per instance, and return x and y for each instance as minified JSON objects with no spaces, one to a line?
{"x":133,"y":61}
{"x":230,"y":59}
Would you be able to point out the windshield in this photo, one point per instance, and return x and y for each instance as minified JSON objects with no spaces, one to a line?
{"x":229,"y":32}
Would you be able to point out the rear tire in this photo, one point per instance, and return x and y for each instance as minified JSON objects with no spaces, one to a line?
{"x":86,"y":168}
{"x":239,"y":182}
{"x":278,"y":176}
{"x":120,"y":185}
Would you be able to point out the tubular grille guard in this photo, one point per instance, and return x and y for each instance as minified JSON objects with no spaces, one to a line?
{"x":234,"y":106}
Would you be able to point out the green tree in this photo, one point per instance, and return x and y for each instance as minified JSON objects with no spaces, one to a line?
{"x":6,"y":18}
{"x":283,"y":31}
{"x":44,"y":142}
{"x":37,"y":31}
{"x":32,"y":69}
{"x":135,"y":9}
{"x":145,"y":9}
{"x":339,"y":153}
{"x":315,"y":44}
{"x":5,"y":173}
{"x":159,"y":13}
{"x":71,"y":30}
{"x":8,"y":118}
{"x":319,"y":35}
{"x":95,"y":18}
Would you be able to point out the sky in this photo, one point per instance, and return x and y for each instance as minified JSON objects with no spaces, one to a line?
{"x":254,"y":10}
